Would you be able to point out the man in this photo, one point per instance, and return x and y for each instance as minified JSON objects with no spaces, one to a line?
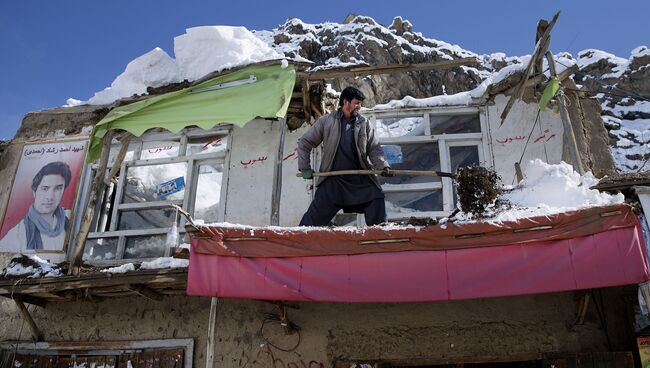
{"x":45,"y":224}
{"x":349,"y":143}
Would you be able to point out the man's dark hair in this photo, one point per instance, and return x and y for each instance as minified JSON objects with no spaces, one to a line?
{"x":53,"y":168}
{"x":350,"y":93}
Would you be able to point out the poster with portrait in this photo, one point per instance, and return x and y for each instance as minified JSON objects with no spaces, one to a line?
{"x":42,"y":197}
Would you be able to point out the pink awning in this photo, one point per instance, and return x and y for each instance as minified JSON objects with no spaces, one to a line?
{"x":607,"y":258}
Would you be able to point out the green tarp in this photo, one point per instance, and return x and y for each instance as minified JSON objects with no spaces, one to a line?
{"x":267,"y":97}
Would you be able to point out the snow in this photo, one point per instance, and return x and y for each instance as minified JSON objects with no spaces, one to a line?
{"x":640,"y":52}
{"x":127,"y":267}
{"x":202,"y":50}
{"x":157,"y":263}
{"x":164,"y":262}
{"x":198,"y":52}
{"x":592,"y":56}
{"x":42,"y":268}
{"x":458,"y":99}
{"x":549,"y":189}
{"x":153,"y":69}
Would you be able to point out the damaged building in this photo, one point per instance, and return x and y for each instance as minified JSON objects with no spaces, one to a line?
{"x":558,"y":290}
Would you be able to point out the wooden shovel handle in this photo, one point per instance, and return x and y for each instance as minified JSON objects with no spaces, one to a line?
{"x":377,"y":172}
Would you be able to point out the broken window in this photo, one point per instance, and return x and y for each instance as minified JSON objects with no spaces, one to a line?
{"x":134,"y":217}
{"x":443,"y":139}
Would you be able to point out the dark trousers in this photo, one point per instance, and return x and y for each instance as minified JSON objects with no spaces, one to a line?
{"x":322,"y":210}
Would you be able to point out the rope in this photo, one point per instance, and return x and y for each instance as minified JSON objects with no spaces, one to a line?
{"x":526,"y":145}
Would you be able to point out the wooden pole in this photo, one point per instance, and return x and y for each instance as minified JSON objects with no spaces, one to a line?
{"x":80,"y":241}
{"x":377,"y":172}
{"x":277,"y":182}
{"x":212,"y":333}
{"x":569,"y":136}
{"x":542,"y":43}
{"x":36,"y":334}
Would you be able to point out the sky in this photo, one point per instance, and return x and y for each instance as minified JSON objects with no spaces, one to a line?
{"x":53,"y":51}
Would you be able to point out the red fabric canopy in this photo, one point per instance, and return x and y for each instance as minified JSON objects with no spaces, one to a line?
{"x":604,"y":258}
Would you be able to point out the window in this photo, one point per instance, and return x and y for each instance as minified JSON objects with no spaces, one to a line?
{"x":427,"y":140}
{"x":133,"y":218}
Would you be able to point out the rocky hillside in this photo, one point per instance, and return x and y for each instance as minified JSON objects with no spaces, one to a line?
{"x":621,"y":85}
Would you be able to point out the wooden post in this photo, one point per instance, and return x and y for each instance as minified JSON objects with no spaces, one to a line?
{"x":569,"y":137}
{"x":36,"y":334}
{"x":520,"y":174}
{"x":212,"y":333}
{"x":80,"y":241}
{"x":277,"y":179}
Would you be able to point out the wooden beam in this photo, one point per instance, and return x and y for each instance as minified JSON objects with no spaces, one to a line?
{"x":144,"y":291}
{"x":385,"y":69}
{"x":36,"y":334}
{"x":569,"y":136}
{"x":55,"y":284}
{"x":277,"y":176}
{"x":80,"y":241}
{"x":212,"y":332}
{"x":541,"y":44}
{"x":125,"y":140}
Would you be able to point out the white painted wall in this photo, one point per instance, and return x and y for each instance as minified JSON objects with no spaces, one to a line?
{"x":507,"y":141}
{"x":250,"y":180}
{"x":296,"y":192}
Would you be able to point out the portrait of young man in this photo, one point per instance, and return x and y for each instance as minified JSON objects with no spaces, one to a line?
{"x":37,"y":216}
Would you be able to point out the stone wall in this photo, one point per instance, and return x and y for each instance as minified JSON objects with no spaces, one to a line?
{"x":334,"y":332}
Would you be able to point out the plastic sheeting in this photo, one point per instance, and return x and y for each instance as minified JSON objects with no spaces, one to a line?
{"x":608,"y":258}
{"x":247,"y":241}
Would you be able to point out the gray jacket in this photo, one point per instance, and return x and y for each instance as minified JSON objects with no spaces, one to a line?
{"x":327,"y":130}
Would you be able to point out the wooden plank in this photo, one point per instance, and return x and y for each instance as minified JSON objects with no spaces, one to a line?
{"x":538,"y":48}
{"x":36,"y":334}
{"x":385,"y":69}
{"x":569,"y":136}
{"x":80,"y":241}
{"x":29,"y":286}
{"x":144,"y":291}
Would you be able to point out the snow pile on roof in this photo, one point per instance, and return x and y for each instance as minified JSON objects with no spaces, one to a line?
{"x":30,"y":266}
{"x":563,"y":61}
{"x":200,"y":51}
{"x":153,"y":69}
{"x":158,"y":263}
{"x":549,"y":189}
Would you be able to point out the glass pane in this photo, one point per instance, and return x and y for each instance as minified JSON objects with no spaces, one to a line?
{"x":150,"y":246}
{"x":147,"y":219}
{"x":208,"y":192}
{"x":404,"y":204}
{"x":159,"y":149}
{"x":463,"y":156}
{"x":115,"y":149}
{"x":211,"y":144}
{"x":399,"y":127}
{"x":450,"y":124}
{"x":412,"y":156}
{"x":100,"y":249}
{"x":154,"y":183}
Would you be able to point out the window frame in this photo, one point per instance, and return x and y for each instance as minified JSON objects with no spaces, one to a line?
{"x":445,"y":141}
{"x":193,"y":162}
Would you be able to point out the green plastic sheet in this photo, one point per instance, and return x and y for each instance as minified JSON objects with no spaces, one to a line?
{"x":267,"y":97}
{"x":550,"y":91}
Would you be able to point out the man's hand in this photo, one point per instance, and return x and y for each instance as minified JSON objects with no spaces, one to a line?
{"x":387,"y":172}
{"x":307,"y":173}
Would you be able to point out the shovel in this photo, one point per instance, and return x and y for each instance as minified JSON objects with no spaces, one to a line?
{"x":378,"y":172}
